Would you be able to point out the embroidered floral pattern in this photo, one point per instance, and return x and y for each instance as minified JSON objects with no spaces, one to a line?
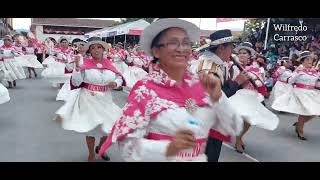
{"x":126,"y":106}
{"x":149,"y":97}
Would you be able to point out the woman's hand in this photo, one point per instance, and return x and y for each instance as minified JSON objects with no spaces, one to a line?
{"x":212,"y":85}
{"x":112,"y":85}
{"x":242,"y":78}
{"x":76,"y":59}
{"x":184,"y":139}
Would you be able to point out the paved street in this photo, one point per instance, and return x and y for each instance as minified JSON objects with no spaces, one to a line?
{"x":28,"y":133}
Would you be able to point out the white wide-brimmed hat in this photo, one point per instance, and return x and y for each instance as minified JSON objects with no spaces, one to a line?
{"x":96,"y":40}
{"x":304,"y":54}
{"x":7,"y":37}
{"x":246,"y":45}
{"x":283,"y":59}
{"x":156,"y":27}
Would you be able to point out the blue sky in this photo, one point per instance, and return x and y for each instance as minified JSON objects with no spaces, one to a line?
{"x":205,"y":23}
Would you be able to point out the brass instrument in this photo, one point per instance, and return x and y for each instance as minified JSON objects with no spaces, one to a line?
{"x":242,"y":69}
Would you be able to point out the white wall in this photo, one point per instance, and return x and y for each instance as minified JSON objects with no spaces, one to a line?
{"x":39,"y":35}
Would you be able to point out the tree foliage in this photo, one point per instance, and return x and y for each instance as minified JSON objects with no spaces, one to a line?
{"x":126,"y":20}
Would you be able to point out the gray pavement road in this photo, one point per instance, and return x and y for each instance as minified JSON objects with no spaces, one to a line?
{"x":28,"y":133}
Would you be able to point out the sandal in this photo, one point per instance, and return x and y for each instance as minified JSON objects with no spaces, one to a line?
{"x":239,"y":150}
{"x":104,"y":157}
{"x":298,"y":134}
{"x":97,"y":149}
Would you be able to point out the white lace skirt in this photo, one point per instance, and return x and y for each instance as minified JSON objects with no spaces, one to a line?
{"x":84,"y":111}
{"x":28,"y":61}
{"x":279,"y":89}
{"x":247,"y":103}
{"x":299,"y":101}
{"x":48,"y":60}
{"x":200,"y":158}
{"x":97,"y":133}
{"x":133,"y":74}
{"x":9,"y":75}
{"x":54,"y":73}
{"x":65,"y":92}
{"x":13,"y":66}
{"x":4,"y":94}
{"x":120,"y":66}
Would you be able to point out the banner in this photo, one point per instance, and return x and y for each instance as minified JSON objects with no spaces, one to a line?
{"x":219,"y":20}
{"x":135,"y":32}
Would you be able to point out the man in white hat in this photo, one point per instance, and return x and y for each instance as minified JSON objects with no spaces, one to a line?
{"x":214,"y":59}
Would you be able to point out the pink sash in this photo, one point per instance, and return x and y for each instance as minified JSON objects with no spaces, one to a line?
{"x":196,"y":151}
{"x":304,"y":86}
{"x":93,"y":87}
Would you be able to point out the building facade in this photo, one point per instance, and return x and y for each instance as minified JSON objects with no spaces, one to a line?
{"x":71,"y":28}
{"x":5,"y":27}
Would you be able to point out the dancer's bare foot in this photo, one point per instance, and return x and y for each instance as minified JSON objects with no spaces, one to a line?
{"x":92,"y":158}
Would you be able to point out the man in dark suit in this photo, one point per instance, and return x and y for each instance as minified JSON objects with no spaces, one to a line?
{"x":217,"y":54}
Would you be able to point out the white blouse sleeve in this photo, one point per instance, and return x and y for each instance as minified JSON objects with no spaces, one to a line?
{"x":228,"y":121}
{"x":193,"y":68}
{"x":129,"y":59}
{"x":292,"y":79}
{"x":118,"y":80}
{"x":141,"y":149}
{"x":77,"y":77}
{"x":262,"y":74}
{"x":70,"y":66}
{"x":15,"y":53}
{"x":236,"y":72}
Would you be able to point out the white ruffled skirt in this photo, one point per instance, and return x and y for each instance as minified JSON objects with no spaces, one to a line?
{"x":247,"y":103}
{"x":65,"y":92}
{"x":54,"y":73}
{"x":28,"y":61}
{"x":133,"y":74}
{"x":120,"y":66}
{"x":279,"y":89}
{"x":48,"y":60}
{"x":83,"y":112}
{"x":8,"y":74}
{"x":299,"y":101}
{"x":14,"y":67}
{"x":4,"y":94}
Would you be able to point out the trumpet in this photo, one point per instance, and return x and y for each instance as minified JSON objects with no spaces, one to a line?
{"x":233,"y":58}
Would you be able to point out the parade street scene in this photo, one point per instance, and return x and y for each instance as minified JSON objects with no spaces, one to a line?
{"x":159,"y":89}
